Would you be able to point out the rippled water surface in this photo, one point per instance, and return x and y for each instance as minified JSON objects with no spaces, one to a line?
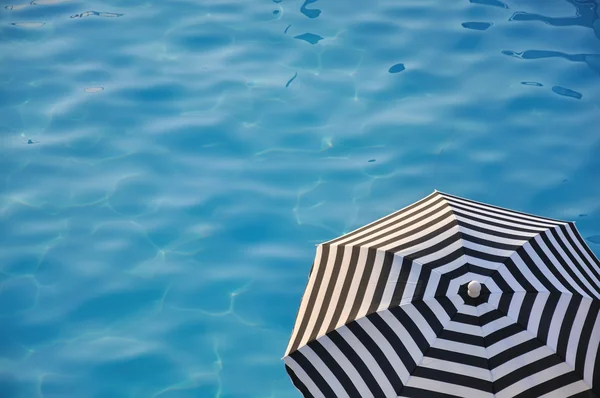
{"x":167,"y":166}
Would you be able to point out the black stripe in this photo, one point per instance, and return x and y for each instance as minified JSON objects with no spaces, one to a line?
{"x":375,"y":350}
{"x":383,"y":220}
{"x":363,"y":284}
{"x":421,"y":284}
{"x":551,"y":267}
{"x":514,"y":213}
{"x":567,"y":326}
{"x":550,"y":385}
{"x":585,"y":337}
{"x":417,"y":240}
{"x":437,"y":246}
{"x":339,"y":253}
{"x":582,"y":262}
{"x":394,"y":341}
{"x":458,"y":357}
{"x":442,"y":214}
{"x":411,"y":328}
{"x":525,"y":311}
{"x":516,"y":273}
{"x":454,"y":378}
{"x":345,"y":288}
{"x":490,"y":231}
{"x":335,"y":368}
{"x":358,"y":363}
{"x":440,"y":262}
{"x":514,"y":352}
{"x":297,"y":383}
{"x":402,"y":281}
{"x":553,"y":249}
{"x":459,"y":337}
{"x":498,"y":224}
{"x":312,"y":299}
{"x":526,"y":371}
{"x":412,"y":392}
{"x":502,"y":334}
{"x":386,"y":269}
{"x":314,"y":375}
{"x":547,"y":317}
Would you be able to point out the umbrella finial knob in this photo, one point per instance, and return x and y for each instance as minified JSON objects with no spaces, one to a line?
{"x":474,"y":288}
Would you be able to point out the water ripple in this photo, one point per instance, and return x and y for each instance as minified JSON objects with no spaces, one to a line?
{"x":168,"y":167}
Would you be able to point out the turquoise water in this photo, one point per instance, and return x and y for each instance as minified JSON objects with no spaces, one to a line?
{"x":168,"y":166}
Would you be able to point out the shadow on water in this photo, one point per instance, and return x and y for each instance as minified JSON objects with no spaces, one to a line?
{"x":587,"y":15}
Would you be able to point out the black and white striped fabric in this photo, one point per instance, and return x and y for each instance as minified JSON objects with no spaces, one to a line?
{"x":386,"y":311}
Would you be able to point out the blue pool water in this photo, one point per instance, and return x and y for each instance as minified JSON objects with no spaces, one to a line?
{"x":167,"y":166}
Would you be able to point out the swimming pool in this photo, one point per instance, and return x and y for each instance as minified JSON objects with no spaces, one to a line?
{"x":167,"y":167}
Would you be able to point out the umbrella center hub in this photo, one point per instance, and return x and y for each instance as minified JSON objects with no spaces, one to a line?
{"x":474,"y":289}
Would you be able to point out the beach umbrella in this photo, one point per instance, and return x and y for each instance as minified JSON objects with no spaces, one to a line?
{"x":449,"y":297}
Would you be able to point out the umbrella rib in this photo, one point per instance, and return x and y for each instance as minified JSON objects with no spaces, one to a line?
{"x":427,"y":350}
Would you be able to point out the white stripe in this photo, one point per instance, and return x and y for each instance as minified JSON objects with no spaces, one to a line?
{"x":432,"y":284}
{"x":497,"y":239}
{"x":535,"y":316}
{"x":504,"y":230}
{"x":527,"y":274}
{"x":376,"y":269}
{"x":407,"y":227}
{"x":505,"y":344}
{"x":314,"y":315}
{"x":456,"y":368}
{"x":505,"y":213}
{"x":578,"y":324}
{"x":496,"y":325}
{"x":592,"y":351}
{"x":411,"y":240}
{"x":455,"y":346}
{"x":444,"y":251}
{"x":557,"y":321}
{"x":421,"y":323}
{"x":403,"y":335}
{"x":452,"y":265}
{"x":567,"y":391}
{"x":580,"y":261}
{"x":507,"y":222}
{"x":572,"y":282}
{"x":324,"y":371}
{"x":369,"y":361}
{"x":390,"y":286}
{"x":301,"y":374}
{"x":369,"y":228}
{"x":411,"y":284}
{"x":439,"y":386}
{"x":514,"y":308}
{"x":491,"y":285}
{"x":346,"y":366}
{"x":534,"y":380}
{"x":515,"y":364}
{"x":360,"y":269}
{"x":590,"y":260}
{"x":469,"y":310}
{"x":386,"y":347}
{"x":464,"y":328}
{"x":336,"y":296}
{"x":487,"y":249}
{"x":306,"y":297}
{"x":510,"y":279}
{"x":539,"y":263}
{"x":494,"y":299}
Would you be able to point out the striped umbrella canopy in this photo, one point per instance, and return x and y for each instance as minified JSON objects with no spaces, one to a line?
{"x":450,"y":298}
